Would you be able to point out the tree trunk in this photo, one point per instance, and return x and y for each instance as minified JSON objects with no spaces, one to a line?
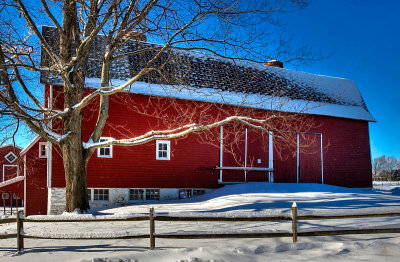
{"x":75,"y":162}
{"x":75,"y":157}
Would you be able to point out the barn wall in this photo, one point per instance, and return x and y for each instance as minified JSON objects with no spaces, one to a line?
{"x":346,"y":154}
{"x":11,"y":170}
{"x":36,"y":179}
{"x":285,"y":161}
{"x":191,"y":163}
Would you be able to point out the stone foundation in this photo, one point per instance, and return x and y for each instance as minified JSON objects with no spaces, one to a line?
{"x":55,"y":201}
{"x":117,"y":197}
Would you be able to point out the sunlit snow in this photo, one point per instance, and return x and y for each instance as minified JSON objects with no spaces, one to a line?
{"x":251,"y":199}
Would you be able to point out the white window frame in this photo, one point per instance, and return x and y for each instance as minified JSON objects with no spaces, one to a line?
{"x":184,"y":193}
{"x":154,"y":190}
{"x":40,"y":149}
{"x":4,"y":170}
{"x":90,"y":196}
{"x":168,"y":143}
{"x":197,"y":190}
{"x":11,"y":153}
{"x":143,"y":194}
{"x":102,"y":139}
{"x":101,"y":200}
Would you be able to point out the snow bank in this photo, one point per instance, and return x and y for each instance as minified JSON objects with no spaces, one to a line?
{"x":251,"y":199}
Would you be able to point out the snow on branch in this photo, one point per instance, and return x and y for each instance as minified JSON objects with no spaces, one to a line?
{"x":178,"y":132}
{"x":53,"y":136}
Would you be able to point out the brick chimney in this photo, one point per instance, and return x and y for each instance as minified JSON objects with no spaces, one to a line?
{"x":136,"y":35}
{"x":274,"y":63}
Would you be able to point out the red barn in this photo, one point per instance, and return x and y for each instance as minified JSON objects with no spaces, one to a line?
{"x":11,"y":176}
{"x":324,"y":136}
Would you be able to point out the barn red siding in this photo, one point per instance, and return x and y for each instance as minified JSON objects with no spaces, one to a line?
{"x":36,"y":179}
{"x":191,"y":164}
{"x":285,"y":161}
{"x":346,"y":154}
{"x":9,"y":171}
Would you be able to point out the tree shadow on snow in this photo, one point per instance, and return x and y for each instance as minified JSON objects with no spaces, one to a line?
{"x":350,"y":202}
{"x":83,"y":249}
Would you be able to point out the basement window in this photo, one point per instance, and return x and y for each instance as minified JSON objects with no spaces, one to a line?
{"x":163,"y":150}
{"x":185,"y":193}
{"x":104,"y":151}
{"x":100,"y":194}
{"x":198,"y":192}
{"x":89,"y":194}
{"x":152,"y":194}
{"x":43,"y":150}
{"x":136,"y":194}
{"x":11,"y":157}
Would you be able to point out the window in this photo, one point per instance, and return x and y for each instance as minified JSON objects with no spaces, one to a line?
{"x":5,"y":195}
{"x":198,"y":192}
{"x":89,"y":194}
{"x":185,"y":193}
{"x":136,"y":194}
{"x":43,"y":149}
{"x":152,"y":194}
{"x":188,"y":193}
{"x":11,"y":157}
{"x":162,"y":150}
{"x":104,"y":151}
{"x":100,"y":194}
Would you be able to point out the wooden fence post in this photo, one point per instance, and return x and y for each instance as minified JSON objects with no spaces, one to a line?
{"x":294,"y":222}
{"x":152,"y":229}
{"x":11,"y":202}
{"x":20,"y":229}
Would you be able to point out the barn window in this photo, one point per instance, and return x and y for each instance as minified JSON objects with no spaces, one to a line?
{"x":198,"y":192}
{"x":5,"y":195}
{"x":136,"y":194}
{"x":185,"y":193}
{"x":100,"y":194}
{"x":152,"y":194}
{"x":89,"y":194}
{"x":163,"y":150}
{"x":11,"y":157}
{"x":104,"y":151}
{"x":43,"y":149}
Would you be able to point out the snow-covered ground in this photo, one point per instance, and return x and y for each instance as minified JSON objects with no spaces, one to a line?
{"x":252,"y":199}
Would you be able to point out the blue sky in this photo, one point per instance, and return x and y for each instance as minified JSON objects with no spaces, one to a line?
{"x":361,"y":42}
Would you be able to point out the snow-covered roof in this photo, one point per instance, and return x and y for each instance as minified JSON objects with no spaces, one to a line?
{"x":5,"y":145}
{"x":9,"y":145}
{"x":204,"y":77}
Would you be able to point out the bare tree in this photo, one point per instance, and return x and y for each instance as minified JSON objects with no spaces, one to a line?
{"x":229,"y":29}
{"x":385,"y":168}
